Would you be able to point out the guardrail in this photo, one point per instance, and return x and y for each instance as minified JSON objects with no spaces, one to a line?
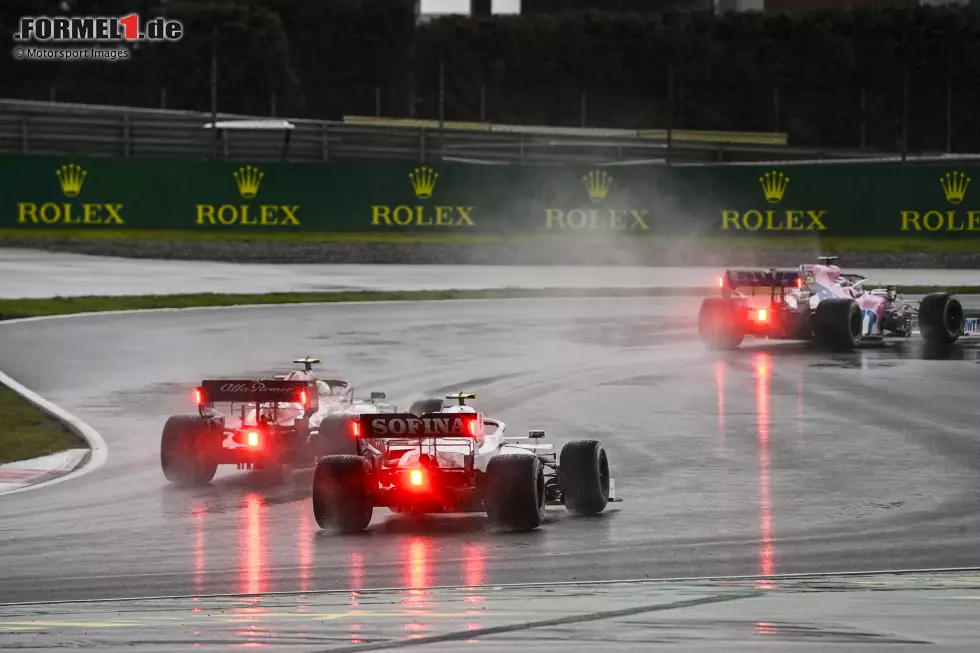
{"x":62,"y":129}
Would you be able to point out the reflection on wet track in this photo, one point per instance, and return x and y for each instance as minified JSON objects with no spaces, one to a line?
{"x":762,"y":408}
{"x":775,"y":458}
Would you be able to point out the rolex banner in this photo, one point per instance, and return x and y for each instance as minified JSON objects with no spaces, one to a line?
{"x":835,"y":200}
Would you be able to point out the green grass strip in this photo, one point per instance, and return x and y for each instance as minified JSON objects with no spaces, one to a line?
{"x":21,"y":308}
{"x":28,"y":432}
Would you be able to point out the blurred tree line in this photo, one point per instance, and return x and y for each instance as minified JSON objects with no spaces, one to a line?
{"x":836,"y":78}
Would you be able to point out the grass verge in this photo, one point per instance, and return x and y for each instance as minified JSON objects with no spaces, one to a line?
{"x":826,"y":244}
{"x":21,"y":308}
{"x":28,"y":432}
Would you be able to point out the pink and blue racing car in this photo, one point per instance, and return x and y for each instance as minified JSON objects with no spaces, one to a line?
{"x":818,"y":302}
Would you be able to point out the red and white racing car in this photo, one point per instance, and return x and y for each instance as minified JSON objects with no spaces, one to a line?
{"x":817,"y":302}
{"x":266,"y":425}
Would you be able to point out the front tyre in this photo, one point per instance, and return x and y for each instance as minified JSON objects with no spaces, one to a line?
{"x":515,"y":494}
{"x":837,"y":324}
{"x":940,"y":318}
{"x":185,"y":451}
{"x":583,"y":475}
{"x":341,"y":497}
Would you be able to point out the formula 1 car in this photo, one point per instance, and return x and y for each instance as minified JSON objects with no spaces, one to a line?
{"x":269,"y":424}
{"x":819,"y":303}
{"x":455,"y":460}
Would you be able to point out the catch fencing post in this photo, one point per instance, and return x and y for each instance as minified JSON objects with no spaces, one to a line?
{"x":864,"y":116}
{"x":442,"y":104}
{"x":949,"y":117}
{"x":214,"y":91}
{"x":905,"y":110}
{"x":775,"y":108}
{"x":670,"y":113}
{"x":127,"y":135}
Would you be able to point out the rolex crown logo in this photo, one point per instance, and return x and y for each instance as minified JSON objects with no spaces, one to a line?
{"x":71,"y":177}
{"x":424,"y":182}
{"x":954,"y":186}
{"x":774,"y":186}
{"x":248,"y":179}
{"x":597,"y":183}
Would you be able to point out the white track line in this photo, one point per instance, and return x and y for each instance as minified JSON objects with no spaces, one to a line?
{"x":98,"y":453}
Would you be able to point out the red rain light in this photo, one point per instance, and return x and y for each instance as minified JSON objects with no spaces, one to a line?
{"x":198,"y":396}
{"x":302,"y":397}
{"x":762,"y":315}
{"x":721,"y":282}
{"x":253,"y":439}
{"x":799,"y":283}
{"x":471,"y":427}
{"x":415,"y":477}
{"x":355,"y":428}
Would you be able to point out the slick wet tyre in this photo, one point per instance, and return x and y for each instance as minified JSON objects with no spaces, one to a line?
{"x":341,"y":500}
{"x":583,"y":475}
{"x":940,"y":318}
{"x":333,"y":438}
{"x":186,"y":451}
{"x":422,"y":406}
{"x":515,"y":494}
{"x":837,"y":324}
{"x":717,"y":324}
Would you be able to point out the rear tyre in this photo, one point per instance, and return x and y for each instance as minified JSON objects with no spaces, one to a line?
{"x":341,"y":501}
{"x":940,"y":318}
{"x":431,"y":405}
{"x":718,"y":325}
{"x":837,"y":324}
{"x":186,"y":451}
{"x":515,"y":496}
{"x":583,"y":475}
{"x":333,"y":438}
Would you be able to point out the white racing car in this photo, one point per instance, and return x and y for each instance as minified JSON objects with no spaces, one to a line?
{"x":453,"y":460}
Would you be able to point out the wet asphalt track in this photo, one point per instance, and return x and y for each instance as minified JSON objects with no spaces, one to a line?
{"x":771,"y":459}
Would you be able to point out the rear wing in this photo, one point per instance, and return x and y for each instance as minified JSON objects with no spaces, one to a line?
{"x":251,"y":391}
{"x":429,"y":425}
{"x":761,"y":278}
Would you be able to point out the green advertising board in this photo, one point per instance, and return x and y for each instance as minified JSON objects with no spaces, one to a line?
{"x":832,"y":199}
